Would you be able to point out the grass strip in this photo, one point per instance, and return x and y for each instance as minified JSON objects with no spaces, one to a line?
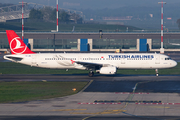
{"x":27,"y":91}
{"x":16,"y":68}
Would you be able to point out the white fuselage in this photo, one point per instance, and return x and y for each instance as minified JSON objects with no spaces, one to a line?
{"x":118,"y":60}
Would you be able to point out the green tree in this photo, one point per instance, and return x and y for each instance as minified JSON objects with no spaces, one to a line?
{"x":76,"y":18}
{"x":64,"y":16}
{"x":35,"y":14}
{"x":53,"y":15}
{"x":47,"y":11}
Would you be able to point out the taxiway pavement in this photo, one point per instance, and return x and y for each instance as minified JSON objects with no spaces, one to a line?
{"x":110,"y":97}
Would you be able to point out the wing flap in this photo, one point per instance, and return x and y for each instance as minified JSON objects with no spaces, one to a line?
{"x":89,"y":65}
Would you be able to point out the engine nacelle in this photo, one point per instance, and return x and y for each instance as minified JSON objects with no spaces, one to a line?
{"x":107,"y":70}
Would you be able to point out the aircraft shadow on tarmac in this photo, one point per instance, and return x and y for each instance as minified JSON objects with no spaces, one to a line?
{"x":97,"y":75}
{"x":115,"y":75}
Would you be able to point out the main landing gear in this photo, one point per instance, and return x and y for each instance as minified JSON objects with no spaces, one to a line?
{"x":91,"y":74}
{"x":157,"y":73}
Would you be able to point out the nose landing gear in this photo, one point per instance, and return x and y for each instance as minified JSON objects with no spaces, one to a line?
{"x":157,"y":73}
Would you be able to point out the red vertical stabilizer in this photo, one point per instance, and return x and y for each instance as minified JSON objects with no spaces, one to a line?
{"x":17,"y":46}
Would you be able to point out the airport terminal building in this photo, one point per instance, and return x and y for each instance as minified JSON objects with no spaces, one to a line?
{"x":96,"y":42}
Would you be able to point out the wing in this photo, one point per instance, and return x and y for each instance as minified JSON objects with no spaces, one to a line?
{"x":91,"y":66}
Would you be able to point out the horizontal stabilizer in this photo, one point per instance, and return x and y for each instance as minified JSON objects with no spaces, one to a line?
{"x":13,"y":58}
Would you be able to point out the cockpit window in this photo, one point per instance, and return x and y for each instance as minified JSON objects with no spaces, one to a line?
{"x":167,"y":58}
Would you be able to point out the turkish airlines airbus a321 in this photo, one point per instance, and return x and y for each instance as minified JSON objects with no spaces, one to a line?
{"x":103,"y":63}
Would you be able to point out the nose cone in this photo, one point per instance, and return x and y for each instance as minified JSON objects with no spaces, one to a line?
{"x":174,"y":63}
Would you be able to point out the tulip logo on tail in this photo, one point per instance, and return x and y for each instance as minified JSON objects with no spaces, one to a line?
{"x":16,"y":46}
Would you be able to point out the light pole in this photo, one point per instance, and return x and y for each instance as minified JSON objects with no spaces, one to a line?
{"x":57,"y":17}
{"x":162,"y":49}
{"x":22,"y":19}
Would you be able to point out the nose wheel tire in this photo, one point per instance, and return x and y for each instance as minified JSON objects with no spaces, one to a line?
{"x":91,"y":74}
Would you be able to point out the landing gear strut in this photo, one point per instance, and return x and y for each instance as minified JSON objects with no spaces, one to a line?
{"x":91,"y":74}
{"x":157,"y":73}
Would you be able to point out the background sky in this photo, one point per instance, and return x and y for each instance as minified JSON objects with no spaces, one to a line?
{"x":96,"y":4}
{"x":140,"y":10}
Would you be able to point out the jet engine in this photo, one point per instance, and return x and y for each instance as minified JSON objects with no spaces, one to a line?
{"x":108,"y":70}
